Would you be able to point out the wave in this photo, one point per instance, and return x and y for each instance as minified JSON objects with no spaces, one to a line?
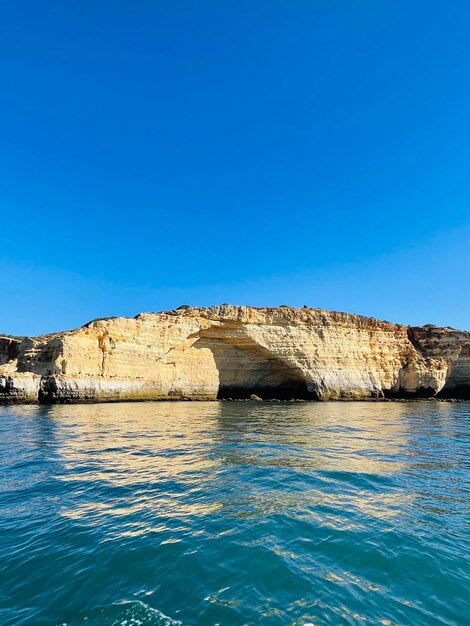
{"x":132,"y":613}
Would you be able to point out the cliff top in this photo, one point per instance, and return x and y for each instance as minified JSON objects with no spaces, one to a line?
{"x":283,"y":315}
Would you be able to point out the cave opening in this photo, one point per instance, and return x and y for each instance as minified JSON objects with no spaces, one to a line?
{"x":287,"y":390}
{"x":421,"y":392}
{"x":246,"y":368}
{"x":457,"y":392}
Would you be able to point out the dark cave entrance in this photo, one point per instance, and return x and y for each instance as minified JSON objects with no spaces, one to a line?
{"x":289,"y":390}
{"x":421,"y":392}
{"x":458,"y":392}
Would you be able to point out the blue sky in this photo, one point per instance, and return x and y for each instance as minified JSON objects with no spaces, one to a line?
{"x":265,"y":153}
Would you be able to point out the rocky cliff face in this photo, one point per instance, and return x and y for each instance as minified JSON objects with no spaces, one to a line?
{"x":233,"y":352}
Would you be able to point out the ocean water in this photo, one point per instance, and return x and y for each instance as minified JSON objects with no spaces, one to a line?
{"x":235,"y":513}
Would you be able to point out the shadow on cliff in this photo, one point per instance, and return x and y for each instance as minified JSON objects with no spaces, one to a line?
{"x":246,"y":368}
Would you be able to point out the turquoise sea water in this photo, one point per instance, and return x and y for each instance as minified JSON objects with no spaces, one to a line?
{"x":235,"y":513}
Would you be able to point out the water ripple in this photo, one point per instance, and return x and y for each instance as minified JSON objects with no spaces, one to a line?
{"x":235,"y":513}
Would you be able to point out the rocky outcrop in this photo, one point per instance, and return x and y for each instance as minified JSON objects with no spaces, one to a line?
{"x":236,"y":352}
{"x":9,"y":349}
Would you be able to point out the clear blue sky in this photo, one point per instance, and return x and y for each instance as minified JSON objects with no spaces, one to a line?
{"x":155,"y":153}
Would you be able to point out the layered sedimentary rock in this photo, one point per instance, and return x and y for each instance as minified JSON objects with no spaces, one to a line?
{"x":234,"y":352}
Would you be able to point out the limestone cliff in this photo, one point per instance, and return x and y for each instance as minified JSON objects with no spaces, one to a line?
{"x":233,"y":352}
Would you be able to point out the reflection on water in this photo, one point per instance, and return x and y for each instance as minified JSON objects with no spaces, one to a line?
{"x":234,"y":513}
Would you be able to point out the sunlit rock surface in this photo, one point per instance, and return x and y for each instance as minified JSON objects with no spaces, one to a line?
{"x":234,"y":352}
